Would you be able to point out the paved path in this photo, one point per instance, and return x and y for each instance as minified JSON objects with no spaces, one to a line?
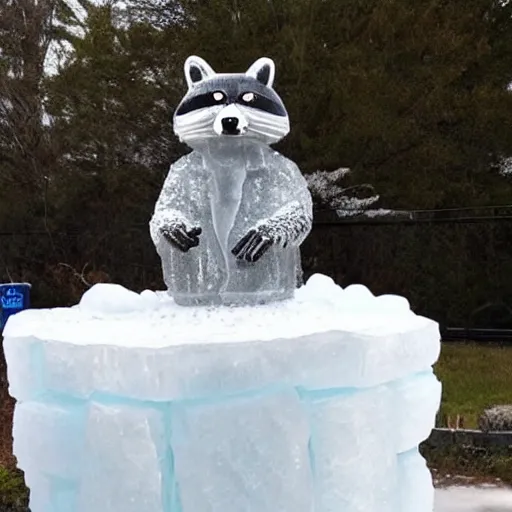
{"x":473,"y":499}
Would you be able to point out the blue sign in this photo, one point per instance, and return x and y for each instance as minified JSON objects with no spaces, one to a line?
{"x":14,"y":297}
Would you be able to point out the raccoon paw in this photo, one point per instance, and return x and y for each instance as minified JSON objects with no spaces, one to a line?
{"x":252,"y":246}
{"x":181,"y":237}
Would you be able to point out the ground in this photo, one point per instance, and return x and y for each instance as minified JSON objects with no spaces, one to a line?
{"x":474,"y":377}
{"x":473,"y":499}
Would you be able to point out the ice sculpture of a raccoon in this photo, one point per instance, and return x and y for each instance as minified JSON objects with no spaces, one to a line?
{"x":232,"y":213}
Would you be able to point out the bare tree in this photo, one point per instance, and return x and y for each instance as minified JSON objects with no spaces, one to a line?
{"x":26,"y":31}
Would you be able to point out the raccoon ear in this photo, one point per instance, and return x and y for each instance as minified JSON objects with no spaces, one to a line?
{"x":263,"y":70}
{"x":197,"y":70}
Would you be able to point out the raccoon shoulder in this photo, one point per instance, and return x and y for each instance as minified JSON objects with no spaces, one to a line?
{"x":285,"y":164}
{"x":187,"y":163}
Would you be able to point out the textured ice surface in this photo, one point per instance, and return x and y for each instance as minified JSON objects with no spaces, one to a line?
{"x":416,"y":491}
{"x":416,"y":400}
{"x":248,"y":453}
{"x":125,"y":447}
{"x":232,"y":214}
{"x":228,"y":196}
{"x":316,"y":403}
{"x":340,"y":339}
{"x":353,"y":451}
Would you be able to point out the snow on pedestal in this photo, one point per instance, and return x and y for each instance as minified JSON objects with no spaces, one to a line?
{"x":129,"y":403}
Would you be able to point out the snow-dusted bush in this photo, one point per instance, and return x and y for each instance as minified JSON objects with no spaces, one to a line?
{"x":329,"y":193}
{"x":497,"y":418}
{"x":505,"y":166}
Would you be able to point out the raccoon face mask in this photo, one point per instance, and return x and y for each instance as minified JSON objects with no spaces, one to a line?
{"x":230,"y":105}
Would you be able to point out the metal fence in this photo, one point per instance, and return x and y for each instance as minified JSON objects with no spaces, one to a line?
{"x":454,"y":266}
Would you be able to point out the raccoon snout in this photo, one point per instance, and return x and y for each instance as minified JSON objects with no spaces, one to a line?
{"x":230,"y":126}
{"x":230,"y":121}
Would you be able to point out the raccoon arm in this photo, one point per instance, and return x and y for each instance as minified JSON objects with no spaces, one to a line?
{"x":289,"y":225}
{"x":166,"y":218}
{"x":172,"y":203}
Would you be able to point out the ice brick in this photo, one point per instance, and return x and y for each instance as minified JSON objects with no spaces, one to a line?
{"x":417,"y":399}
{"x":25,"y":366}
{"x":48,"y":437}
{"x":415,"y":488}
{"x":41,"y":496}
{"x":334,"y":359}
{"x":51,"y":494}
{"x":171,"y":353}
{"x":248,"y":453}
{"x":354,"y":462}
{"x":125,"y":446}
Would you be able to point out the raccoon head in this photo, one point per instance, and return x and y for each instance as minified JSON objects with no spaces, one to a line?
{"x":230,"y":105}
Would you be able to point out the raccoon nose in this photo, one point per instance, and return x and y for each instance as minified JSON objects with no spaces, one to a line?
{"x":230,"y":124}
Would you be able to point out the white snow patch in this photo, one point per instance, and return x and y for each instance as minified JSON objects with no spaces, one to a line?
{"x":473,"y":499}
{"x":380,"y":212}
{"x":319,"y":306}
{"x":112,"y":299}
{"x":505,"y":166}
{"x":326,"y":188}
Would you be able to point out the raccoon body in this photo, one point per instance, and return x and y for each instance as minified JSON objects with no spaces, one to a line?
{"x":231,"y":214}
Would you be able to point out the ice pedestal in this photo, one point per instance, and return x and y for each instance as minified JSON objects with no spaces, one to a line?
{"x":313,"y":404}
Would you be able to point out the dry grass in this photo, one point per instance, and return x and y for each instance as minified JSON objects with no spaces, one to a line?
{"x":474,"y":377}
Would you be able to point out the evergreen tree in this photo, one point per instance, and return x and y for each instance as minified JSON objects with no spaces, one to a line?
{"x":411,"y":94}
{"x":28,"y":28}
{"x":111,"y":107}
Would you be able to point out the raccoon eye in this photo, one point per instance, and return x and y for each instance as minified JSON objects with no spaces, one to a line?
{"x":249,"y":97}
{"x":218,"y":96}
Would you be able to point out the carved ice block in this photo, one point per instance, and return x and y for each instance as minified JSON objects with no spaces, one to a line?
{"x":304,"y":410}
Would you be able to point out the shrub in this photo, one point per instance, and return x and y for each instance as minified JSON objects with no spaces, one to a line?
{"x":496,"y":419}
{"x":13,"y":492}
